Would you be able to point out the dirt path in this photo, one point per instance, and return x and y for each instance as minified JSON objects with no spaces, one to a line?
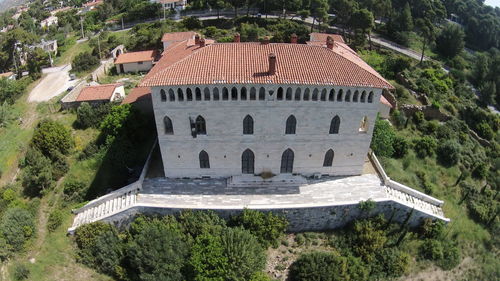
{"x":55,"y":82}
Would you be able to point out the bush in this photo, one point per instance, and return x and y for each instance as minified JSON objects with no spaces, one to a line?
{"x":51,"y":137}
{"x":21,"y":272}
{"x":431,"y":229}
{"x":322,"y":266}
{"x":74,"y":190}
{"x":17,"y":226}
{"x":432,"y":249}
{"x":266,"y":227}
{"x":195,"y":223}
{"x":448,"y":152}
{"x":484,"y":130}
{"x":445,"y":254}
{"x":424,"y":146}
{"x":84,"y":61}
{"x":55,"y":220}
{"x":400,"y":145}
{"x":191,"y":23}
{"x":37,"y":174}
{"x":390,"y":263}
{"x":383,"y":138}
{"x":367,"y":239}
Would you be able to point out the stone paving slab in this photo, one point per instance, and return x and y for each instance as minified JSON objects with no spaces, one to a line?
{"x":214,"y":193}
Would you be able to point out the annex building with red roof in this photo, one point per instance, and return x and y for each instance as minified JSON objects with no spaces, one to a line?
{"x":136,"y":62}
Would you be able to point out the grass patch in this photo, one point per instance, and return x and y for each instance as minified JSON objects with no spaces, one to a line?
{"x":67,"y":56}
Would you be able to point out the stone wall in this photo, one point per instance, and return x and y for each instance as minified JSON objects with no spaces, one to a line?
{"x":430,"y":112}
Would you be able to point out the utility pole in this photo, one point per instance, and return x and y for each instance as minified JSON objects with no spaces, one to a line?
{"x":14,"y":57}
{"x":99,"y":44}
{"x":81,"y":26}
{"x":123,"y":26}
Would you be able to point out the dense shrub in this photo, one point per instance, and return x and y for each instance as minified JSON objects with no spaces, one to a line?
{"x":448,"y":152}
{"x":195,"y":223}
{"x":367,"y":239}
{"x":400,"y":146}
{"x":424,"y":146}
{"x":383,"y":138}
{"x":431,"y":229}
{"x":16,"y":227}
{"x":74,"y":190}
{"x":51,"y":137}
{"x":484,"y":130}
{"x":37,"y":173}
{"x":20,"y":272}
{"x":55,"y":220}
{"x":84,"y":61}
{"x":390,"y":263}
{"x":268,"y":228}
{"x":445,"y":254}
{"x":322,"y":266}
{"x":88,"y":116}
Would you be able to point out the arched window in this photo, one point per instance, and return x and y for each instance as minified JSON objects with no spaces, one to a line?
{"x":253,"y":93}
{"x":247,"y":162}
{"x":171,"y":95}
{"x":328,"y":158}
{"x":348,"y":96}
{"x":248,"y":125}
{"x":243,"y":93}
{"x":363,"y":127}
{"x":201,"y":128}
{"x":306,"y":94}
{"x":331,"y":96}
{"x":370,"y":97}
{"x":225,"y":94}
{"x":363,"y":96}
{"x":340,"y":95}
{"x":297,"y":94}
{"x":323,"y":95}
{"x":315,"y":94}
{"x":355,"y":96}
{"x":189,"y":94}
{"x":198,"y":93}
{"x":204,"y":160}
{"x":335,"y":125}
{"x":234,"y":93}
{"x":291,"y":123}
{"x":287,"y":161}
{"x":262,"y":93}
{"x":206,"y":93}
{"x":289,"y":94}
{"x":169,"y":129}
{"x":216,"y":93}
{"x":163,"y":95}
{"x":279,"y":96}
{"x":180,"y":95}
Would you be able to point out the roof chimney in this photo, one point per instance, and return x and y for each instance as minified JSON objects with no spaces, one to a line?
{"x":202,"y":42}
{"x":293,"y":38}
{"x":329,"y":42}
{"x":236,"y":38}
{"x":265,"y":41}
{"x":197,"y":39}
{"x":272,"y":64}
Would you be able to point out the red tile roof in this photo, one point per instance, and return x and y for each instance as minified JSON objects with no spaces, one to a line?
{"x":6,"y":74}
{"x":93,"y":3}
{"x":178,"y":36}
{"x":101,"y":92}
{"x":136,"y":57}
{"x":137,"y":94}
{"x":236,"y":63}
{"x":321,"y":37}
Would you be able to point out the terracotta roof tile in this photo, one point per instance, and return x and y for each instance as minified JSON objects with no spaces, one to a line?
{"x":6,"y":74}
{"x":178,"y":36}
{"x":93,"y":3}
{"x":321,"y":37}
{"x":137,"y":94}
{"x":236,"y":63}
{"x":101,"y":92}
{"x":136,"y":57}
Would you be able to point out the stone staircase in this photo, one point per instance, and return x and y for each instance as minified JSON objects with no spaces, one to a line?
{"x":414,"y":202}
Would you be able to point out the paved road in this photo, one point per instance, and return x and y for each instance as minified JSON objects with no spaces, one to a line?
{"x":55,"y":82}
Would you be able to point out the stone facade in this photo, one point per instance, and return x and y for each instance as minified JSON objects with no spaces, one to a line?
{"x":269,"y":106}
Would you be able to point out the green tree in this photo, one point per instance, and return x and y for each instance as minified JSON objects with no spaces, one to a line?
{"x":16,"y":227}
{"x":266,"y":227}
{"x":324,"y":266}
{"x":425,"y":146}
{"x":450,"y":41}
{"x":84,"y":61}
{"x":363,"y":21}
{"x":487,"y":92}
{"x":36,"y":59}
{"x":319,"y":11}
{"x":426,"y":29}
{"x":383,"y":138}
{"x":51,"y":138}
{"x":344,"y":9}
{"x":37,"y":173}
{"x":449,"y":152}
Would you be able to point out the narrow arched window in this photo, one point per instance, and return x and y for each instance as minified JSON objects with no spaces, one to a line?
{"x":289,"y":94}
{"x":363,"y":96}
{"x":248,"y":125}
{"x":225,"y":94}
{"x":206,"y":93}
{"x":171,"y":95}
{"x":279,"y":96}
{"x":328,"y":158}
{"x":234,"y":93}
{"x":340,"y":95}
{"x":287,"y":161}
{"x":363,"y":127}
{"x":306,"y":94}
{"x":297,"y":94}
{"x":247,"y":162}
{"x":370,"y":97}
{"x":243,"y":93}
{"x":315,"y":94}
{"x":204,"y":160}
{"x":253,"y":93}
{"x":355,"y":97}
{"x":348,"y":96}
{"x":323,"y":95}
{"x":262,"y":93}
{"x":291,"y":123}
{"x":335,"y":125}
{"x":331,"y":96}
{"x":163,"y":95}
{"x":180,"y":95}
{"x":216,"y":93}
{"x":189,"y":94}
{"x":197,"y":92}
{"x":169,"y":129}
{"x":201,"y":128}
